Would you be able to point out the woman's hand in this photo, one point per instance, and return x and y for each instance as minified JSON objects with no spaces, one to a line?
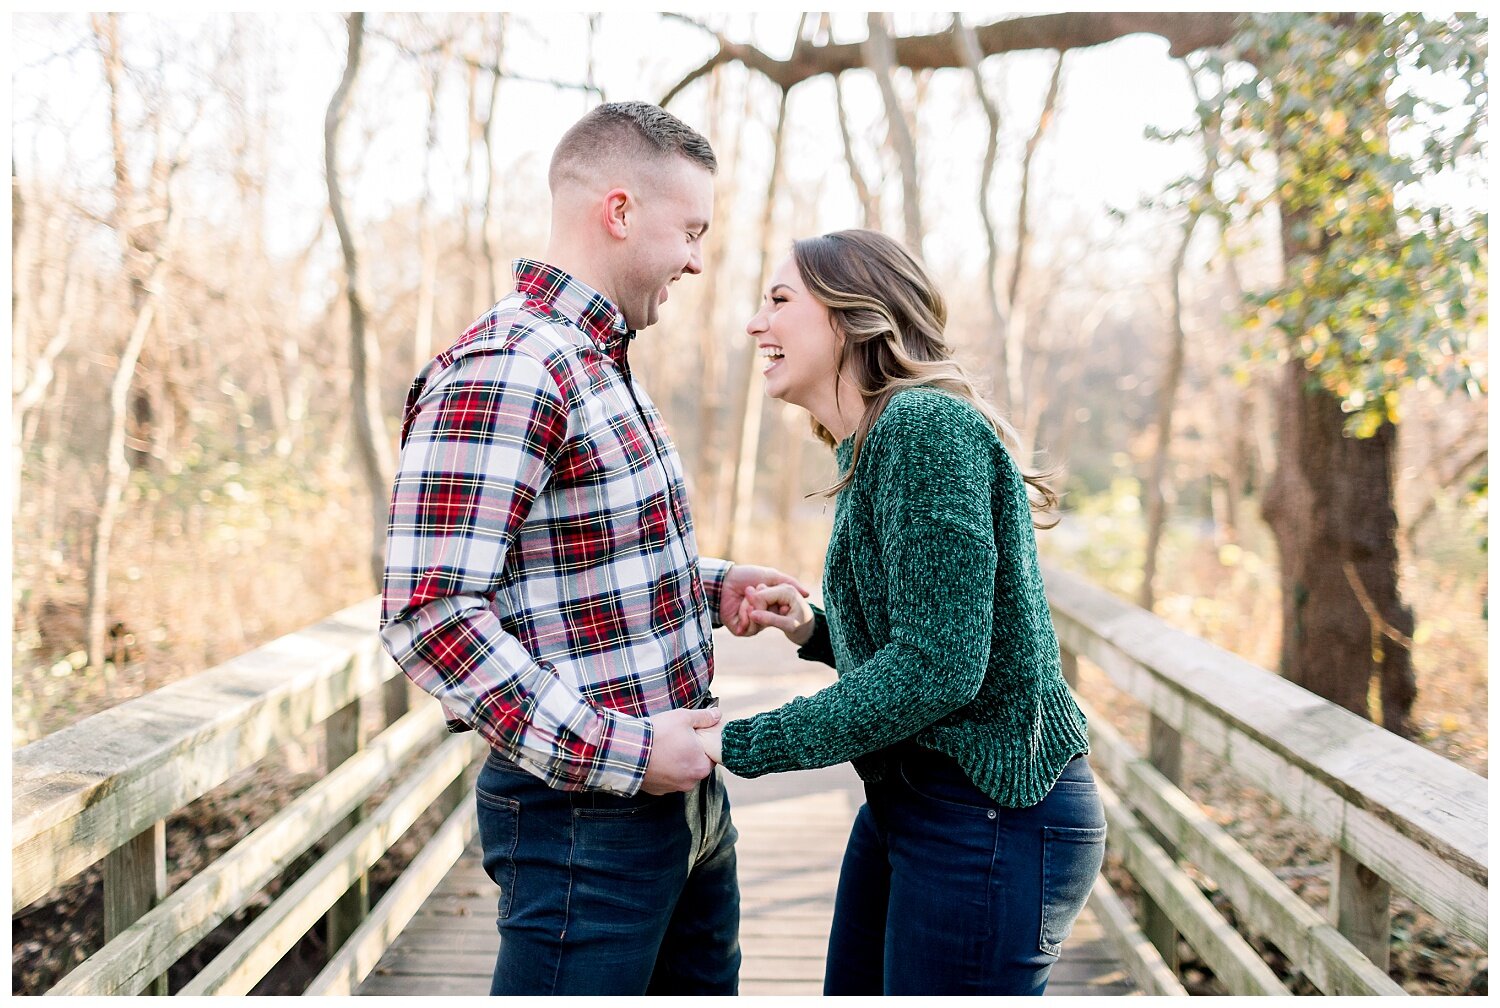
{"x":712,"y":741}
{"x":783,"y":607}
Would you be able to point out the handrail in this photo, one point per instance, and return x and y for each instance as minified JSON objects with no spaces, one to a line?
{"x":1400,"y":817}
{"x":103,"y":788}
{"x":81,"y":792}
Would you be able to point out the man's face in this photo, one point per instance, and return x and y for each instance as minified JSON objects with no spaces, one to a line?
{"x":673,"y":206}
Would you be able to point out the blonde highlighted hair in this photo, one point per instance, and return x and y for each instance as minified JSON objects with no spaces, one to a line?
{"x":890,"y":318}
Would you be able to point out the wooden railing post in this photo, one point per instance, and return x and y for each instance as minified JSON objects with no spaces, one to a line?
{"x":397,"y":696}
{"x":135,"y":880}
{"x":345,"y":736}
{"x":1163,"y":751}
{"x":1360,"y":907}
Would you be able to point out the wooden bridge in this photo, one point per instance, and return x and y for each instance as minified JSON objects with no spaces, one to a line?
{"x":1398,"y":819}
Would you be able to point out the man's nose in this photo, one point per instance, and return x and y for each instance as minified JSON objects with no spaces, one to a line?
{"x":695,"y":262}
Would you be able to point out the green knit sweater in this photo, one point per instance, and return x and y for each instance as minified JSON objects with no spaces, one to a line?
{"x":935,"y":618}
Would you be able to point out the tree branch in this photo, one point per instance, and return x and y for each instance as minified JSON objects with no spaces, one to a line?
{"x":1184,"y":32}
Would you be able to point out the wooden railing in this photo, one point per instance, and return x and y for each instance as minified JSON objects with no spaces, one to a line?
{"x":1399,"y":817}
{"x":102,"y":789}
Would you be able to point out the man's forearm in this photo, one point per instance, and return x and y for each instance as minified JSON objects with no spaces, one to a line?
{"x":454,"y":648}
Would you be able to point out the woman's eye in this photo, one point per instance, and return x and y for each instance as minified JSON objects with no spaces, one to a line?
{"x":778,"y":299}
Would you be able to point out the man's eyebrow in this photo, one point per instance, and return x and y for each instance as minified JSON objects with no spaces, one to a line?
{"x":700,"y":226}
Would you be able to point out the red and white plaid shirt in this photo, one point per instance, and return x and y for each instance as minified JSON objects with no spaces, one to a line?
{"x":542,"y":579}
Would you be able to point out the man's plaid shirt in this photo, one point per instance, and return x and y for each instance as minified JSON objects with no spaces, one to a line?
{"x":542,"y":579}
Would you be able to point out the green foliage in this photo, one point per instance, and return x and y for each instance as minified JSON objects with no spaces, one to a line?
{"x":1384,"y":285}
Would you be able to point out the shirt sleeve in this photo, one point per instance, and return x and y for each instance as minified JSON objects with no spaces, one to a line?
{"x":479,"y":445}
{"x":935,"y":528}
{"x":712,"y":570}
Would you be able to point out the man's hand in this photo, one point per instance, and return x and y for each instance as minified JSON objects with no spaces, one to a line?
{"x":712,"y":741}
{"x":734,"y":607}
{"x":677,"y":761}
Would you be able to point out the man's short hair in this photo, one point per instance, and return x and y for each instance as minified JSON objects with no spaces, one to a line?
{"x":626,"y":133}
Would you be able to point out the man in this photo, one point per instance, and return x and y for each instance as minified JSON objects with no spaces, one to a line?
{"x":543,"y":582}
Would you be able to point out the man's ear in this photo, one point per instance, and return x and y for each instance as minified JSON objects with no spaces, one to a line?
{"x":617,"y":207}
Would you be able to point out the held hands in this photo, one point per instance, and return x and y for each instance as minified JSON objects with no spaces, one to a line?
{"x":712,"y":741}
{"x":733,"y":610}
{"x":782,"y":607}
{"x":677,"y":761}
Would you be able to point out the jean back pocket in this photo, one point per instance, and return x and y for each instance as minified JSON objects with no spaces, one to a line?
{"x":1071,"y":859}
{"x":499,"y":835}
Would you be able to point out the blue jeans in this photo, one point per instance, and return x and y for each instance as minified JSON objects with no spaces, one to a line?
{"x":943,"y":891}
{"x":601,"y":894}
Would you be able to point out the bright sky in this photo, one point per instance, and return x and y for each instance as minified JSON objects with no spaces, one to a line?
{"x":1096,"y":158}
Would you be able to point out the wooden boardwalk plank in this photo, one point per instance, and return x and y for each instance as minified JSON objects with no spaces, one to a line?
{"x":792,"y":832}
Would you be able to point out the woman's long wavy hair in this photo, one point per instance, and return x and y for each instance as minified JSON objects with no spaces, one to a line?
{"x":890,"y":318}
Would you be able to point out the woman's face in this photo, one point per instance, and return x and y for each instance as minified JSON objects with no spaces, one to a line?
{"x":796,"y":340}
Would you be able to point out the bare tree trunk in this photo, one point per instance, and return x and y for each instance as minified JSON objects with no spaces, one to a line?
{"x":710,"y":342}
{"x":968,"y":46}
{"x":421,"y":348}
{"x":1156,"y":482}
{"x":1016,"y":323}
{"x":117,"y":473}
{"x":492,"y":267}
{"x":868,"y":201}
{"x":144,"y":258}
{"x":793,"y":424}
{"x":472,"y":292}
{"x":1157,"y":489}
{"x":22,"y":246}
{"x":880,"y":57}
{"x":38,"y":378}
{"x":1229,"y":486}
{"x":746,"y":457}
{"x":370,"y":437}
{"x":1067,"y":380}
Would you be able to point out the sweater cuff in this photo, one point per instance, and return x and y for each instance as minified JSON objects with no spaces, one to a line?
{"x":819,"y":646}
{"x":754,"y":746}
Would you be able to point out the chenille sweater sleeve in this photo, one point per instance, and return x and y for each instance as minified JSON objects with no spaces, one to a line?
{"x":929,"y":476}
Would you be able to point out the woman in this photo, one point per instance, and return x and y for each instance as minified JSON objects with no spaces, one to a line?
{"x":982,"y":831}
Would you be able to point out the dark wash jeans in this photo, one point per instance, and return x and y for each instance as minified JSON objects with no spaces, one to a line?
{"x":943,"y":891}
{"x":601,"y":894}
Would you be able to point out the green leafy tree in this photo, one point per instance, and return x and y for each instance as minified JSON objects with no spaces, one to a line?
{"x":1384,"y":286}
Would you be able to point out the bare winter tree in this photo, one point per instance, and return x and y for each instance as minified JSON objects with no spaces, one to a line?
{"x":143,"y":221}
{"x":370,"y":436}
{"x":880,"y":58}
{"x":1156,"y":491}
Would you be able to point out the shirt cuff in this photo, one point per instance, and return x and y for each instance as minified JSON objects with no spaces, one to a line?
{"x":711,"y":570}
{"x":619,"y":766}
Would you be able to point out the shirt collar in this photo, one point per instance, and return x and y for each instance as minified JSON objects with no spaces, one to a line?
{"x":593,"y":313}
